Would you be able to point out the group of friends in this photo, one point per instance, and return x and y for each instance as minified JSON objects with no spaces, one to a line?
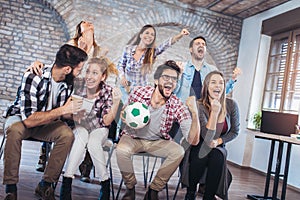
{"x":188,"y":101}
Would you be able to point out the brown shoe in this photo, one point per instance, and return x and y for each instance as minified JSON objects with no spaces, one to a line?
{"x":45,"y":192}
{"x":129,"y":194}
{"x":151,"y":194}
{"x":11,"y":196}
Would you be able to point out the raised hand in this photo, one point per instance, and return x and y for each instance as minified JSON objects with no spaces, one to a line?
{"x":116,"y":95}
{"x":180,"y":65}
{"x":124,"y":81}
{"x":215,"y":106}
{"x":236,"y":72}
{"x":184,"y":32}
{"x":191,"y":104}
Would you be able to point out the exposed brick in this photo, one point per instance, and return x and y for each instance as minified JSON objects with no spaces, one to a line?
{"x":37,"y":33}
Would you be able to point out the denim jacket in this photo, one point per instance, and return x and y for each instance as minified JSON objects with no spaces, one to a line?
{"x":182,"y":90}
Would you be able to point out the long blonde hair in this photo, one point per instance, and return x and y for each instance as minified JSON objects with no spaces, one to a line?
{"x":205,"y":94}
{"x":106,"y":66}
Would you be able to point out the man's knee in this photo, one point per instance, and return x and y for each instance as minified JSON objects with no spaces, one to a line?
{"x":123,"y":149}
{"x":65,"y":134}
{"x":177,"y":152}
{"x":15,"y":131}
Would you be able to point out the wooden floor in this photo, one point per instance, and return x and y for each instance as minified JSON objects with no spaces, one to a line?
{"x":244,"y":181}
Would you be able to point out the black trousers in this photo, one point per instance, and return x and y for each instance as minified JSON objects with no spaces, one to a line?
{"x":213,"y":163}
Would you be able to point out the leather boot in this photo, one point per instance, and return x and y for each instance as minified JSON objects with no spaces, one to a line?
{"x":105,"y":190}
{"x":66,"y":189}
{"x":11,"y":196}
{"x":151,"y":194}
{"x":201,"y":189}
{"x":190,"y":195}
{"x":129,"y":194}
{"x":85,"y":168}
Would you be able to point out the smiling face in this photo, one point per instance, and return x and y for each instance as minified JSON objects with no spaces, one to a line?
{"x":167,"y":82}
{"x":216,"y":86}
{"x":198,"y":49}
{"x":147,"y":37}
{"x":94,"y":76}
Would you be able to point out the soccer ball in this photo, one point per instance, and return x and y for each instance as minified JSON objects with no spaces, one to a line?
{"x":136,"y":115}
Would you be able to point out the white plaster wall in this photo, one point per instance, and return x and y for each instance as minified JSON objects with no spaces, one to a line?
{"x":246,"y":150}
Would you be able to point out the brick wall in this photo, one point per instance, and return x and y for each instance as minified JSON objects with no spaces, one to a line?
{"x":49,"y":23}
{"x":27,"y":33}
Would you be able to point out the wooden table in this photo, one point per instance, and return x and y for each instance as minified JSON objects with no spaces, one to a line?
{"x":281,"y":140}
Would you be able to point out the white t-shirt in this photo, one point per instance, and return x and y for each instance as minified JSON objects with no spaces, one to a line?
{"x":52,"y":99}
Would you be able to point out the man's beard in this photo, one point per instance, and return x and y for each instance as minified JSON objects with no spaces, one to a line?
{"x":70,"y":79}
{"x":161,"y":91}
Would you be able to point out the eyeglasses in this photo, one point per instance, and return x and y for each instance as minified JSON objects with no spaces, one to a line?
{"x":167,"y":77}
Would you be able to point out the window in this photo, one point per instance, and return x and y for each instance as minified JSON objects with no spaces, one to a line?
{"x":282,"y":86}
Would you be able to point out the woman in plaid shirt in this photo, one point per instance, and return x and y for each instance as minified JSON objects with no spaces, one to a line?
{"x":91,"y":127}
{"x":137,"y":59}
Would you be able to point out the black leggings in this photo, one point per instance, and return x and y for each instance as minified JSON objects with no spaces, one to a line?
{"x":214,"y":163}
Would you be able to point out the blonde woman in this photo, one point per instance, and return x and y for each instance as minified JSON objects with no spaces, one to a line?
{"x":92,"y":127}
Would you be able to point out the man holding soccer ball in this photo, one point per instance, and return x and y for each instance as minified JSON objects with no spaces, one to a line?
{"x":165,"y":108}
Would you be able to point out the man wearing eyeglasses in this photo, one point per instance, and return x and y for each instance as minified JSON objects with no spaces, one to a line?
{"x":165,"y":108}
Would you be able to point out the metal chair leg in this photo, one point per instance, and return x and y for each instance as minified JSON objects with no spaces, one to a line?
{"x":2,"y":145}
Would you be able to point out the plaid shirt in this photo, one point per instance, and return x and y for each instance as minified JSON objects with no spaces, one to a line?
{"x":102,"y":105}
{"x":174,"y":110}
{"x":132,"y":68}
{"x":32,"y":95}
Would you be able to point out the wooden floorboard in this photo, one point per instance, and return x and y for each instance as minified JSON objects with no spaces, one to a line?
{"x":245,"y":181}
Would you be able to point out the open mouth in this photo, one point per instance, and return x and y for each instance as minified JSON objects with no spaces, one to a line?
{"x":168,"y":87}
{"x":217,"y":92}
{"x":200,"y":50}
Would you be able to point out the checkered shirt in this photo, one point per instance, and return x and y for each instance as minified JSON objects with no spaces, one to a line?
{"x":102,"y":105}
{"x":32,"y":95}
{"x":132,"y":68}
{"x":174,"y":110}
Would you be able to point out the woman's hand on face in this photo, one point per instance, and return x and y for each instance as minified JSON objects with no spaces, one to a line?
{"x":36,"y":68}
